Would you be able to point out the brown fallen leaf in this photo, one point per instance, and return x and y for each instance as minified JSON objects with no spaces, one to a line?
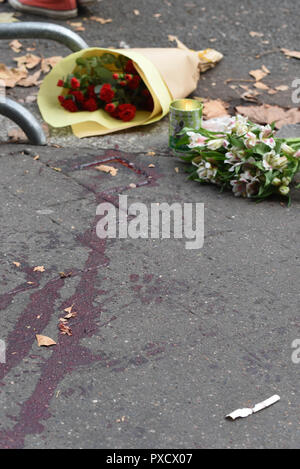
{"x":65,"y":330}
{"x":31,"y":80}
{"x":29,"y":61}
{"x":17,"y":264}
{"x":136,"y":12}
{"x":107,"y":169}
{"x":39,"y":268}
{"x":267,"y":114}
{"x":261,"y":86}
{"x":15,"y":45}
{"x":12,"y":76}
{"x":16,"y":134}
{"x":7,"y":18}
{"x":49,"y":63}
{"x":291,"y":53}
{"x":100,"y":20}
{"x":259,"y":74}
{"x":44,"y":341}
{"x":282,"y":88}
{"x":215,"y":108}
{"x":70,"y":315}
{"x":64,"y":275}
{"x":69,"y":309}
{"x":256,"y":34}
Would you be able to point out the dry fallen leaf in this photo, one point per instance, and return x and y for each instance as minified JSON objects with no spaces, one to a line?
{"x":261,"y":86}
{"x":282,"y":88}
{"x":100,"y":20}
{"x":16,"y":134}
{"x":39,"y":268}
{"x":107,"y":169}
{"x":291,"y":53}
{"x":15,"y":45}
{"x":267,"y":114}
{"x":215,"y":108}
{"x":49,"y":63}
{"x":31,"y":80}
{"x":17,"y":264}
{"x":136,"y":12}
{"x":68,"y":310}
{"x":255,"y":34}
{"x":7,"y":18}
{"x":29,"y":61}
{"x":259,"y":74}
{"x":65,"y":330}
{"x":44,"y":341}
{"x":70,"y":315}
{"x":12,"y":76}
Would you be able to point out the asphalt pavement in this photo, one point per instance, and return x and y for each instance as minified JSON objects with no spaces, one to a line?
{"x":166,"y":340}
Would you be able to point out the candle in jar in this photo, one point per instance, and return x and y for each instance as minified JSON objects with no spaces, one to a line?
{"x":184,"y":113}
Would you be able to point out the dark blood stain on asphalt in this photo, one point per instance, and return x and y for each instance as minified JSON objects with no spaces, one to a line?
{"x":68,"y":355}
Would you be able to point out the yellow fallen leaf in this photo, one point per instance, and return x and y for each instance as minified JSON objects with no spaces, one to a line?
{"x":39,"y":268}
{"x":291,"y":53}
{"x":100,"y":20}
{"x":17,"y":264}
{"x":261,"y":86}
{"x":7,"y":18}
{"x":107,"y":169}
{"x":44,"y":341}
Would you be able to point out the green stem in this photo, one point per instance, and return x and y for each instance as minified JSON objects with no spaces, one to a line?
{"x":293,"y":141}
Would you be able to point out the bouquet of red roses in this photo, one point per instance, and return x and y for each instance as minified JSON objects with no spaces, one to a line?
{"x":106,"y":82}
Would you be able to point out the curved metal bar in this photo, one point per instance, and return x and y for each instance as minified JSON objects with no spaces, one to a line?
{"x":39,"y":30}
{"x":21,"y":116}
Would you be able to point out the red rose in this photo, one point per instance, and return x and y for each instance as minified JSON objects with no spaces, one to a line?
{"x":61,"y":99}
{"x":69,"y":105}
{"x":123,"y":83}
{"x":78,"y":95}
{"x":134,"y":82}
{"x":116,"y":76}
{"x":60,"y":83}
{"x":130,"y":67}
{"x":90,"y":105}
{"x":126,"y":112}
{"x":128,"y":77}
{"x":75,"y":83}
{"x":107,"y":93}
{"x":91,"y":91}
{"x":110,"y":108}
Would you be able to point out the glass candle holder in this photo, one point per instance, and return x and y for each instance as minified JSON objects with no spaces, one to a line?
{"x":183,"y":113}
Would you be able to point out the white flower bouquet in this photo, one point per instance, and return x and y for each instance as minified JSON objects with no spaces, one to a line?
{"x":246,"y":158}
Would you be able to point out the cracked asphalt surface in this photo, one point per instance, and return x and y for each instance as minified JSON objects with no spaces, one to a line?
{"x":166,"y":341}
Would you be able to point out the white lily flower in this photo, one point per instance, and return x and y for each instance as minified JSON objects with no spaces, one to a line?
{"x":271,"y":160}
{"x":266,"y":131}
{"x":287,"y":149}
{"x":269,"y":141}
{"x":250,"y":140}
{"x":206,"y":171}
{"x":196,"y":140}
{"x":215,"y":144}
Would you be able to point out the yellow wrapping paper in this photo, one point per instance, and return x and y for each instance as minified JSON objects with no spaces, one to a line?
{"x":168,"y":74}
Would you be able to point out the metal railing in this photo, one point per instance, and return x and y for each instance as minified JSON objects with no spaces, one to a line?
{"x":34,"y":30}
